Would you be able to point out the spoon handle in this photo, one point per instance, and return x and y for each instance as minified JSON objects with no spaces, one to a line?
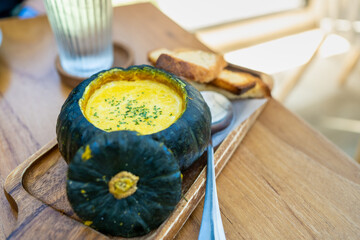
{"x":211,"y":224}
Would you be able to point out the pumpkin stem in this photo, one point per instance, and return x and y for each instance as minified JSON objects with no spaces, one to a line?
{"x":123,"y":184}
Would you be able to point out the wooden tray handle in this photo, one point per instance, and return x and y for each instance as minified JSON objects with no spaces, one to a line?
{"x":30,"y":209}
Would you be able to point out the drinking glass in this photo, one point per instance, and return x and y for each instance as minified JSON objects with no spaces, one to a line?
{"x":83,"y":33}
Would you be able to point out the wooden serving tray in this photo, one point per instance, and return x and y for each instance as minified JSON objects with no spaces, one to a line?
{"x":37,"y":190}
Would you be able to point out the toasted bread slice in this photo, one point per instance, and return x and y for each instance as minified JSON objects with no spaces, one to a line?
{"x":261,"y":90}
{"x":196,"y":65}
{"x":155,"y":54}
{"x":190,"y":64}
{"x":235,"y":82}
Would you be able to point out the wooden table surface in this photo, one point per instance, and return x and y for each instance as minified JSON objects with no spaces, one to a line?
{"x":294,"y":183}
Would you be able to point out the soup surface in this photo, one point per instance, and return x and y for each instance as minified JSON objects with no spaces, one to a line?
{"x":144,"y":106}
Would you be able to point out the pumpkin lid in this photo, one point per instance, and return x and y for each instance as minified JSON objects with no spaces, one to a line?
{"x":124,"y":184}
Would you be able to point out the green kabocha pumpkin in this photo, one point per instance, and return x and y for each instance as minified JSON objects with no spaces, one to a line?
{"x":186,"y":134}
{"x":123,"y":184}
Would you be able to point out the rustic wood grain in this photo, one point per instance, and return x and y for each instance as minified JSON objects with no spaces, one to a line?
{"x":285,"y":181}
{"x":30,"y":96}
{"x":38,"y":186}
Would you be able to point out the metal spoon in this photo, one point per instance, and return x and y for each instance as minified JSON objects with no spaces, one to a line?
{"x":222,"y":115}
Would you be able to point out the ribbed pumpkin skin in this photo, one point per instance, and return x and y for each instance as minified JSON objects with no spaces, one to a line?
{"x":158,"y":189}
{"x":187,"y":138}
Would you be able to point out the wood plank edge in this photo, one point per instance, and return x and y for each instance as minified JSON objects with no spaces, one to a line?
{"x":13,"y":185}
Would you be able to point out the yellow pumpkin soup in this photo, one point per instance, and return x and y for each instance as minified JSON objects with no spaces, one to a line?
{"x":144,"y":106}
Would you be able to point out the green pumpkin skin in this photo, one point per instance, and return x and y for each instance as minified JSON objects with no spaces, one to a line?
{"x":187,"y":138}
{"x":158,"y":189}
